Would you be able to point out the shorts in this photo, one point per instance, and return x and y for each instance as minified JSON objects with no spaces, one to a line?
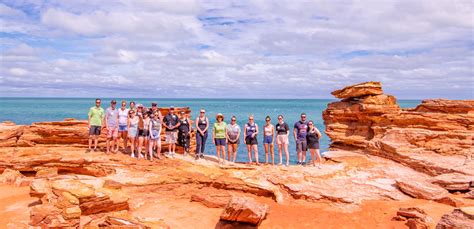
{"x":282,"y":139}
{"x":143,"y":133}
{"x":122,"y":128}
{"x":132,"y":133}
{"x":268,"y":140}
{"x":155,"y":135}
{"x":251,"y":141}
{"x":112,"y":132}
{"x":95,"y":130}
{"x":301,"y":145}
{"x":220,"y":141}
{"x":236,"y":142}
{"x":313,"y":145}
{"x":171,"y":137}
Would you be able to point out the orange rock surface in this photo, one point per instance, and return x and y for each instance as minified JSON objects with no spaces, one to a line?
{"x":49,"y":180}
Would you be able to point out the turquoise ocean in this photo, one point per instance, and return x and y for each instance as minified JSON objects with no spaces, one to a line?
{"x":29,"y":110}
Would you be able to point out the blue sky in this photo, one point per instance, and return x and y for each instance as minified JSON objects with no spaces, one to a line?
{"x":235,"y":49}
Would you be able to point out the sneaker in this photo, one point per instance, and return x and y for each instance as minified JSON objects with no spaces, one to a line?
{"x":298,"y":163}
{"x":201,"y":155}
{"x":196,"y":157}
{"x":303,"y":163}
{"x":88,"y":150}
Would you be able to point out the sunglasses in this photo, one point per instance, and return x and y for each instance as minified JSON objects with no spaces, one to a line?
{"x":97,"y":102}
{"x":310,"y":124}
{"x":303,"y":116}
{"x":268,"y":120}
{"x":233,"y":120}
{"x":250,"y":118}
{"x":202,"y":112}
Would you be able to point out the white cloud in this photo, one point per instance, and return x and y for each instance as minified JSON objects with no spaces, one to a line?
{"x":18,"y":71}
{"x":262,"y":48}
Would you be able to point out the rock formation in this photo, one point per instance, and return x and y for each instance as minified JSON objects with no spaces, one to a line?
{"x":436,"y":137}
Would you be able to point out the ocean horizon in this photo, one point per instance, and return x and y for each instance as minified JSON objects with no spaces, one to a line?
{"x":25,"y":111}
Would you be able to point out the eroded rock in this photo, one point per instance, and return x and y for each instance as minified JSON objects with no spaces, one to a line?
{"x":245,"y":210}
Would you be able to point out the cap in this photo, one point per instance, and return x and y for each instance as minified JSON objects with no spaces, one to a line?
{"x":219,"y":115}
{"x":172,"y":107}
{"x":154,"y":104}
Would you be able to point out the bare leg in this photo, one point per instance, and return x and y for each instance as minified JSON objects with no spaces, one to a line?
{"x":249,"y":150}
{"x":265,"y":146}
{"x":255,"y":150}
{"x":223,"y":153}
{"x":96,"y":139}
{"x":90,"y":142}
{"x":287,"y":154}
{"x":320,"y":161}
{"x":229,"y":152}
{"x":303,"y":156}
{"x":150,"y":149}
{"x":132,"y":146}
{"x":272,"y":151}
{"x":235,"y":152}
{"x":107,"y":143}
{"x":280,"y":153}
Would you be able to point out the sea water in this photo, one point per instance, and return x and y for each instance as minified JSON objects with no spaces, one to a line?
{"x":29,"y":110}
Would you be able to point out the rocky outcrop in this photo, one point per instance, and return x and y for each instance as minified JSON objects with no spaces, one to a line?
{"x":64,"y":201}
{"x":435,"y":137}
{"x":67,"y":132}
{"x":459,"y":218}
{"x":415,"y":218}
{"x":244,"y":210}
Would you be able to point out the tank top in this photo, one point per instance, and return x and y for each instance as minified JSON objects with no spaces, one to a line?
{"x":251,"y":128}
{"x":312,"y":137}
{"x":156,"y":124}
{"x":202,"y":123}
{"x":141,"y":124}
{"x":134,"y":123}
{"x":268,"y":130}
{"x":146,"y":124}
{"x":184,"y":126}
{"x":123,"y":116}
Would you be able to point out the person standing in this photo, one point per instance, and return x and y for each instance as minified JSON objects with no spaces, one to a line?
{"x":202,"y":125}
{"x":251,"y":131}
{"x":154,"y":108}
{"x":132,"y":127}
{"x":313,"y":137}
{"x":122,"y":125}
{"x":283,"y":130}
{"x":95,"y":117}
{"x":184,"y":132}
{"x":143,"y":133}
{"x":268,"y":135}
{"x":155,"y":135}
{"x":171,"y":122}
{"x":233,"y":139}
{"x":299,"y":133}
{"x":111,"y":124}
{"x":219,"y":137}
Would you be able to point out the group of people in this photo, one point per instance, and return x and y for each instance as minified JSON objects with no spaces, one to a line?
{"x":142,"y":127}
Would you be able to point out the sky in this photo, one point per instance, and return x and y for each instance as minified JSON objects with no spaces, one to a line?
{"x":235,"y":49}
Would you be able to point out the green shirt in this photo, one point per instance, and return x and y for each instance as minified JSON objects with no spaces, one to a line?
{"x":97,"y":115}
{"x":219,"y":130}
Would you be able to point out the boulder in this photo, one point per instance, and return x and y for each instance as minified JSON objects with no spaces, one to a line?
{"x":47,"y":172}
{"x":458,"y":218}
{"x":244,"y":210}
{"x":359,"y":90}
{"x":13,"y":177}
{"x":469,"y":195}
{"x":416,"y":217}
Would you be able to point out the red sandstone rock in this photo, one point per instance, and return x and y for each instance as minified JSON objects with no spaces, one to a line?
{"x":245,"y":210}
{"x":359,"y":90}
{"x":454,"y":181}
{"x":421,"y":189}
{"x":458,"y":218}
{"x":211,"y":201}
{"x":435,"y":137}
{"x":13,"y":177}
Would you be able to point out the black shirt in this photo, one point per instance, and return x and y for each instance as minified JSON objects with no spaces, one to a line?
{"x":171,"y":120}
{"x":184,"y":126}
{"x":282,"y":129}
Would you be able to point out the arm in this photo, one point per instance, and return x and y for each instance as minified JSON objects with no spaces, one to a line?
{"x":207,"y":125}
{"x":245,"y":130}
{"x":105,"y":121}
{"x":294,"y":132}
{"x":190,"y":126}
{"x":177,"y":124}
{"x":256,"y":130}
{"x":149,"y":130}
{"x":238,"y":134}
{"x":214,"y":135}
{"x":160,"y":116}
{"x":89,"y":119}
{"x":317,"y":132}
{"x":273,"y":133}
{"x":197,"y":127}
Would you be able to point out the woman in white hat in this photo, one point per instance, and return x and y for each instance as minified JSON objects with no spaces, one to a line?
{"x":219,"y":137}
